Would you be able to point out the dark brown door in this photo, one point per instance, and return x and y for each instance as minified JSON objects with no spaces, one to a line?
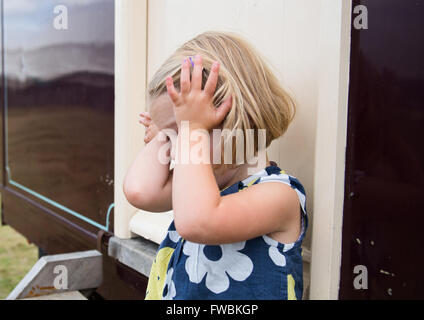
{"x":383,"y":218}
{"x":57,"y":100}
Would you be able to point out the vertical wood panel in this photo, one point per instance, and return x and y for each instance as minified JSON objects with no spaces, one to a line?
{"x":130,"y":84}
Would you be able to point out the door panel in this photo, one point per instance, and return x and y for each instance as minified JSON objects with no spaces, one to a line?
{"x":385,"y":158}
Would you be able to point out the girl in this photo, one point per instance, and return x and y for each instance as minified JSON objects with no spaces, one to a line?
{"x":234,"y":235}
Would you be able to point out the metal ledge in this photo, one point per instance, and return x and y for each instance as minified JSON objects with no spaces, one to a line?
{"x":137,"y":253}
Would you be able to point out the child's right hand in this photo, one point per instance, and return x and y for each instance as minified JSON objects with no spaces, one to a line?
{"x":151,"y":128}
{"x":148,"y":181}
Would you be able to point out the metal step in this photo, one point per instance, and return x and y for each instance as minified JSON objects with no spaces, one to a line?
{"x":73,"y":295}
{"x":55,"y":275}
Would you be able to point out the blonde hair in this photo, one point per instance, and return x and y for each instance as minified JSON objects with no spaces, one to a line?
{"x":259,"y":101}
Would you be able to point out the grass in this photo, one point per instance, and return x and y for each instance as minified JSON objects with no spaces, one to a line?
{"x":17,"y":257}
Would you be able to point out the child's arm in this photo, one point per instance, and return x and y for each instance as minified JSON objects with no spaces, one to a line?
{"x":200,"y":213}
{"x":148,"y":182}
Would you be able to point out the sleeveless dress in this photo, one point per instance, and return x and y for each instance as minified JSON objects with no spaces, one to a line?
{"x":260,"y":268}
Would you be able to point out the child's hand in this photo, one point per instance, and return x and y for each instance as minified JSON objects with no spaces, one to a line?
{"x":151,"y":128}
{"x":194,"y":104}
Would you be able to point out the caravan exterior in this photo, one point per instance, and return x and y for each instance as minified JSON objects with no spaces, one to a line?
{"x":74,"y":77}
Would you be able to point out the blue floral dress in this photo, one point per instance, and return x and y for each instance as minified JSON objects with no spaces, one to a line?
{"x":259,"y":268}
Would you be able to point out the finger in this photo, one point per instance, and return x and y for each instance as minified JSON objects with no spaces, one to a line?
{"x":172,"y":92}
{"x":145,"y":115}
{"x":146,"y":136}
{"x":196,"y":78}
{"x":145,"y":122}
{"x":147,"y":139}
{"x":145,"y":125}
{"x":223,"y":109}
{"x":185,"y":77}
{"x":210,"y":85}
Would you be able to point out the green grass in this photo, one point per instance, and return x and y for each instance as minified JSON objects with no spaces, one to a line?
{"x":17,"y":257}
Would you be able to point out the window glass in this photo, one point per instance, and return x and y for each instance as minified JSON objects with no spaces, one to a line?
{"x":59,"y":104}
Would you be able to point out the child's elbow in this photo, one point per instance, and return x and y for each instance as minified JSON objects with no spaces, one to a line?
{"x":194,"y":230}
{"x":184,"y":231}
{"x":133,"y":195}
{"x":190,"y":234}
{"x":144,"y":198}
{"x":136,"y":196}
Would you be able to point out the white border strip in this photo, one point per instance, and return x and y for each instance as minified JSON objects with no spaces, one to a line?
{"x":130,"y":92}
{"x":334,"y":46}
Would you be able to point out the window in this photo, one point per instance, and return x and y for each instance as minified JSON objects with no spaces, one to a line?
{"x":59,"y":106}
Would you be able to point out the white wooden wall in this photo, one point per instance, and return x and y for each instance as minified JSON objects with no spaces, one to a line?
{"x":307,"y":43}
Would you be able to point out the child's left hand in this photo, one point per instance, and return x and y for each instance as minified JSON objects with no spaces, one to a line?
{"x":151,"y":128}
{"x":194,"y":104}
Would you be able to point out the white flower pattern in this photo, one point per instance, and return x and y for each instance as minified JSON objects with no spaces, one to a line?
{"x":170,"y":286}
{"x":276,"y":256}
{"x":223,"y":269}
{"x":174,"y":236}
{"x":232,"y":264}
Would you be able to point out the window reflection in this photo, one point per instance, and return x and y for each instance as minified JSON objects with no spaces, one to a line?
{"x":59,"y":101}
